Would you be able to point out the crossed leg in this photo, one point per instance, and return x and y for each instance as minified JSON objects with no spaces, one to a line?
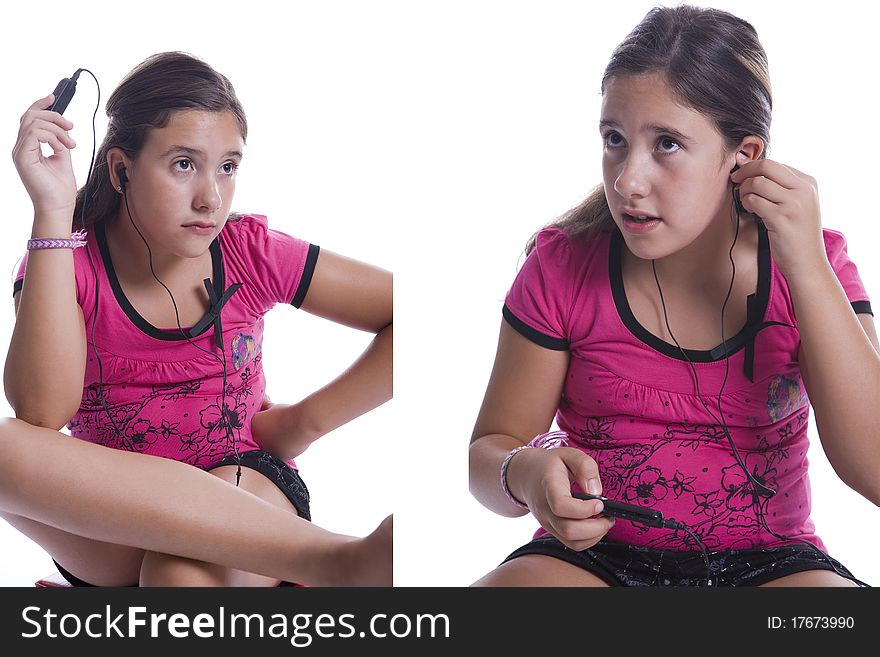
{"x":53,"y":487}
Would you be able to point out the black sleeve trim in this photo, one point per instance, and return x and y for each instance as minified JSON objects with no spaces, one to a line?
{"x":540,"y":339}
{"x":17,"y":286}
{"x":863,"y":307}
{"x":306,"y":279}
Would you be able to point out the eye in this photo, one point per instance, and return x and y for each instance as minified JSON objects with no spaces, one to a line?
{"x":613,"y":139}
{"x":229,"y":168}
{"x":667,"y":145}
{"x":183,"y":164}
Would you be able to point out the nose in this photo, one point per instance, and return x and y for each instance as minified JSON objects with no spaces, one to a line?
{"x":208,"y":197}
{"x":633,"y":179}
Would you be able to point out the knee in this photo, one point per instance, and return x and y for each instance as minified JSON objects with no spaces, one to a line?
{"x":9,"y":426}
{"x":12,"y":431}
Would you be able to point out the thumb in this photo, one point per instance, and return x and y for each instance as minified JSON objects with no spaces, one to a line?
{"x":584,"y":470}
{"x":266,"y":403}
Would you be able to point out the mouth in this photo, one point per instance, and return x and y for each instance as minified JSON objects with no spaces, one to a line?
{"x":199,"y":224}
{"x":639,"y":217}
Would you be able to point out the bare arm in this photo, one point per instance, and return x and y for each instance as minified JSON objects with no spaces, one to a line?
{"x":360,"y":296}
{"x":43,"y":376}
{"x":520,"y":403}
{"x":521,"y":399}
{"x":840,"y":364}
{"x":838,"y":357}
{"x":45,"y":365}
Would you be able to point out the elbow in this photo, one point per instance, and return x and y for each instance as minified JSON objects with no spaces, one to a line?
{"x":44,"y":420}
{"x":870,"y":489}
{"x":385,"y":327}
{"x":873,"y":497}
{"x":44,"y":415}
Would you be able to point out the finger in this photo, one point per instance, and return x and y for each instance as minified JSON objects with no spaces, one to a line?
{"x":583,"y":469}
{"x":765,"y":187}
{"x":563,"y":505}
{"x":43,"y":103}
{"x":761,"y":206}
{"x":29,"y":149}
{"x":777,"y":172}
{"x":585,"y":533}
{"x":48,"y":123}
{"x":35,"y":114}
{"x":57,"y":139}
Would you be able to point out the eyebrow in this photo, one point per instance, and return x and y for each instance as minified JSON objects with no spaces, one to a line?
{"x":196,"y":152}
{"x":653,"y":127}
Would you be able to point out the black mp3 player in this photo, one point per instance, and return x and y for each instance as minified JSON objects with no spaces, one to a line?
{"x":629,"y":512}
{"x":63,"y":93}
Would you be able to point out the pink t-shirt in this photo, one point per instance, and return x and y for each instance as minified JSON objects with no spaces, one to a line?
{"x":164,"y":393}
{"x":629,"y":399}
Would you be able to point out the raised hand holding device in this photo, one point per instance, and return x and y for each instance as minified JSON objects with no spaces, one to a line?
{"x":63,"y":93}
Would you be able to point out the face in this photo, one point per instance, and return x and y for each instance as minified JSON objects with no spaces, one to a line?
{"x":182,"y":182}
{"x":661,"y":160}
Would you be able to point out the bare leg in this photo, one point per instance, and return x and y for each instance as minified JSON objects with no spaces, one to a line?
{"x":96,"y":562}
{"x":170,"y":570}
{"x":164,"y":506}
{"x":539,"y":570}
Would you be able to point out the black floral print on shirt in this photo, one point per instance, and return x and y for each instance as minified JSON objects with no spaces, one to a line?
{"x":632,"y":474}
{"x":209,"y":434}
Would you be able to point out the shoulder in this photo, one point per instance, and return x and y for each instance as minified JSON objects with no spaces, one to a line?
{"x":836,"y":249}
{"x":834,"y":240}
{"x":558,"y":250}
{"x":245,"y":223}
{"x":562,"y":238}
{"x":832,"y":236}
{"x":251,"y":235}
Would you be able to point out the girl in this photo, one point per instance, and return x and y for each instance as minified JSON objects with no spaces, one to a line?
{"x":157,"y":213}
{"x":612,"y":326}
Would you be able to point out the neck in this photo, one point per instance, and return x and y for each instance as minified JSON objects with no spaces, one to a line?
{"x":132,"y":260}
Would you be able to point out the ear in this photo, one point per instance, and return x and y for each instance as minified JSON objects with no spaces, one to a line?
{"x":116,"y":160}
{"x":749,"y":149}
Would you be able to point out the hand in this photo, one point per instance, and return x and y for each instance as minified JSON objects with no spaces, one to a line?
{"x":273,"y":429}
{"x":787,"y":201}
{"x":542,"y":479}
{"x":49,"y":181}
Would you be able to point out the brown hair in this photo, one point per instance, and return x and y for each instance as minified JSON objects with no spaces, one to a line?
{"x":147,"y":98}
{"x":712,"y":61}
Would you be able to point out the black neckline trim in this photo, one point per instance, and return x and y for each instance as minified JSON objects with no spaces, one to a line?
{"x":219,"y":280}
{"x":758,"y":303}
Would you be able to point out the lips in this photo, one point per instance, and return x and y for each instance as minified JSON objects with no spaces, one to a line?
{"x":637,"y":215}
{"x":199,"y":224}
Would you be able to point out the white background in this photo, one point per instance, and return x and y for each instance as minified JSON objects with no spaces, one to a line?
{"x":433,"y":139}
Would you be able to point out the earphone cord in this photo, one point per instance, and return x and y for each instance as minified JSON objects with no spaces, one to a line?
{"x":82,"y":224}
{"x":120,"y":432}
{"x":224,"y":411}
{"x":703,"y":551}
{"x":755,"y":485}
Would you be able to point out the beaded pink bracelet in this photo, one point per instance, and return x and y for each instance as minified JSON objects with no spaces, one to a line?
{"x":76,"y":240}
{"x":549,"y":440}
